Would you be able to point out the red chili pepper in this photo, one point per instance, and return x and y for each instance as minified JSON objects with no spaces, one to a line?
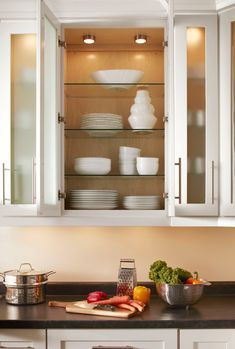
{"x":96,"y":296}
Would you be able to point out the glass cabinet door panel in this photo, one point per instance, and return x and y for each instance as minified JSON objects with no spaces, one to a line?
{"x":23,"y":118}
{"x":227,"y":112}
{"x":196,"y":116}
{"x":196,"y":85}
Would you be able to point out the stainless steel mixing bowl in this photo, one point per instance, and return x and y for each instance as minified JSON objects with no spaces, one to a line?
{"x":180,"y":295}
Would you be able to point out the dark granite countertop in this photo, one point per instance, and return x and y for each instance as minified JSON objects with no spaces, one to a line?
{"x":216,"y":309}
{"x":212,"y":311}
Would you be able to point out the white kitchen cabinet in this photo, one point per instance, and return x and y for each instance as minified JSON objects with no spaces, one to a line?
{"x":29,"y":132}
{"x":119,"y":339}
{"x":227,"y":112}
{"x":18,"y":118}
{"x":207,"y":339}
{"x":22,"y":339}
{"x":196,"y":115}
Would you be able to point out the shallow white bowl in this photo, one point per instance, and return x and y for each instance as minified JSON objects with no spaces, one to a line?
{"x":147,"y":166}
{"x":92,"y":166}
{"x":117,"y":77}
{"x":128,"y":152}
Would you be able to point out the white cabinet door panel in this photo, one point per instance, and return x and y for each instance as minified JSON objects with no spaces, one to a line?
{"x":88,"y":339}
{"x":19,"y":339}
{"x":207,"y":339}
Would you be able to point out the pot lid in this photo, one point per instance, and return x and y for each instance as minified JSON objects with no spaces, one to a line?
{"x":25,"y":269}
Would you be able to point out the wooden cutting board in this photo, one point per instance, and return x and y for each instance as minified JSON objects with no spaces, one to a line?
{"x":82,"y":307}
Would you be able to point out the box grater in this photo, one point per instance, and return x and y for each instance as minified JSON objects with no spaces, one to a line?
{"x":127,"y":278}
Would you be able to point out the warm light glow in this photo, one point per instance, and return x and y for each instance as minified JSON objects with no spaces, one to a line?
{"x":194,"y":36}
{"x":140,"y":39}
{"x":89,"y":39}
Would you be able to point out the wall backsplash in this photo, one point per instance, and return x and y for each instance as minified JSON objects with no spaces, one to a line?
{"x":93,"y":254}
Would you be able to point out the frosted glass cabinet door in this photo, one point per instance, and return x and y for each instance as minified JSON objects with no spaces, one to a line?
{"x":18,"y":119}
{"x":207,"y":339}
{"x":196,"y":115}
{"x":48,"y":108}
{"x":227,"y":112}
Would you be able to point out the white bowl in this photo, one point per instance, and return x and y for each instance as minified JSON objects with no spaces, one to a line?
{"x":142,"y":121}
{"x":147,"y":166}
{"x":128,"y":168}
{"x":128,"y":153}
{"x":92,"y":166}
{"x":117,"y":77}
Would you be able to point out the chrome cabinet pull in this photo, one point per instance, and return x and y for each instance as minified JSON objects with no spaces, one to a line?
{"x":213,"y":182}
{"x":33,"y":181}
{"x":3,"y":184}
{"x":4,"y":169}
{"x":180,"y":173}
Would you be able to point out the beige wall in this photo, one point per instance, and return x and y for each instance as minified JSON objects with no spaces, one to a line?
{"x":93,"y":254}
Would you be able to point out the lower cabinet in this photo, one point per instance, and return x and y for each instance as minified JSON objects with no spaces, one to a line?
{"x":207,"y":339}
{"x":22,"y":339}
{"x":107,"y":339}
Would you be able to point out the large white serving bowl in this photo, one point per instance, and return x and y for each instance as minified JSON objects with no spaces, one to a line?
{"x":92,"y":166}
{"x":117,"y":76}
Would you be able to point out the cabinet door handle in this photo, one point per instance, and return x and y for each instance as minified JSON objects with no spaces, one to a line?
{"x":180,"y":189}
{"x":213,"y":182}
{"x":3,"y":184}
{"x":33,"y":181}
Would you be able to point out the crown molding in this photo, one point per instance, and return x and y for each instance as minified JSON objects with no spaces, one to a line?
{"x":221,"y":4}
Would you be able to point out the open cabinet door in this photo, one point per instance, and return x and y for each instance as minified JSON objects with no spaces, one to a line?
{"x":48,"y":184}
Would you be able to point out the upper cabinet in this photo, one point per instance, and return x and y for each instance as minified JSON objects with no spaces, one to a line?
{"x":196,"y":115}
{"x":227,"y":112}
{"x":18,"y":118}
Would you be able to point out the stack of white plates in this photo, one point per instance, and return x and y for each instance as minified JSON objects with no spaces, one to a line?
{"x":92,"y":166}
{"x":143,"y":202}
{"x":101,"y":121}
{"x":93,"y":199}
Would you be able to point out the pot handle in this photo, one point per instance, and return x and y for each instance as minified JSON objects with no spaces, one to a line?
{"x":22,"y":264}
{"x":50,"y":272}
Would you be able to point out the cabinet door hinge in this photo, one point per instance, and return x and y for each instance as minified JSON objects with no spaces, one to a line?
{"x":62,"y":43}
{"x":165,"y":195}
{"x":165,"y":43}
{"x":61,"y":119}
{"x":61,"y":195}
{"x":165,"y":119}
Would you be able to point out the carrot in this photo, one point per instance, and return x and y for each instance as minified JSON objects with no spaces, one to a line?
{"x":115,"y":300}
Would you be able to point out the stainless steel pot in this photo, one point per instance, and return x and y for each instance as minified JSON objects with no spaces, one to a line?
{"x":25,"y":285}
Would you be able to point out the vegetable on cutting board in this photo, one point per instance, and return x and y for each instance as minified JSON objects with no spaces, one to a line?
{"x":96,"y":296}
{"x":141,"y":293}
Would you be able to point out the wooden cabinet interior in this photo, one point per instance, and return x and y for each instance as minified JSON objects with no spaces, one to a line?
{"x":114,"y":49}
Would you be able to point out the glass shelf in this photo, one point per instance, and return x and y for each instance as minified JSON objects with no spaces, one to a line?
{"x":115,"y":175}
{"x":112,"y":90}
{"x":117,"y":133}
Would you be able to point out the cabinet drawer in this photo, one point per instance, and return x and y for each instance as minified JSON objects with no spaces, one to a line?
{"x":112,"y":339}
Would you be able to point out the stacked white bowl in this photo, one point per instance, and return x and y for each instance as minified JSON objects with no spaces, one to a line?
{"x":92,"y":166}
{"x":127,"y":160}
{"x":142,"y":112}
{"x":142,"y":202}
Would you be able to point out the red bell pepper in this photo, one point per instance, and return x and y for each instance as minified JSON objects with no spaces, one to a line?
{"x":96,"y":296}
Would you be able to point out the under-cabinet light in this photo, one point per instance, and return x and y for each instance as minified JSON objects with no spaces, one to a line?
{"x":89,"y":39}
{"x":140,"y":39}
